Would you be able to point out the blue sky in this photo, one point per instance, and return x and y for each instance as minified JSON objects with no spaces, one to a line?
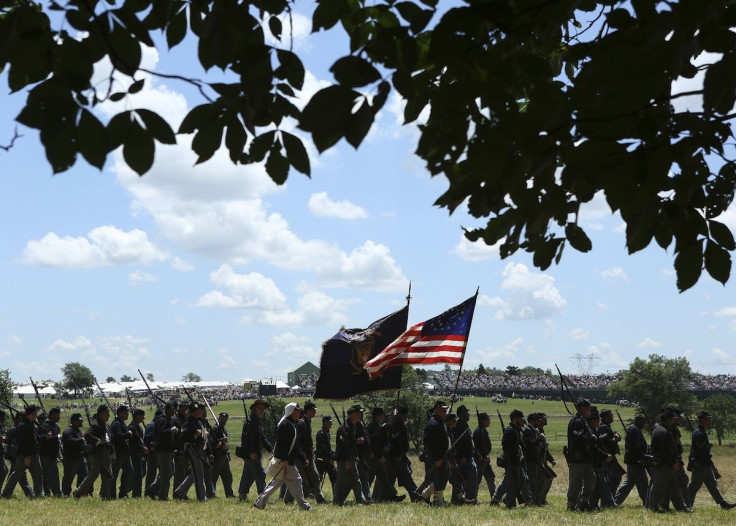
{"x":214,"y":269}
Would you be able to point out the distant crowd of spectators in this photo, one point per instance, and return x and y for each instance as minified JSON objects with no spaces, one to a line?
{"x":445,"y":380}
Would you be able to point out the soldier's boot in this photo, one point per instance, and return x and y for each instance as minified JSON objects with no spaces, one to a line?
{"x":727,"y":505}
{"x":439,"y":499}
{"x":571,"y":506}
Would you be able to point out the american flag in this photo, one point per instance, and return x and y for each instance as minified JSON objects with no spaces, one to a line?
{"x":441,"y":339}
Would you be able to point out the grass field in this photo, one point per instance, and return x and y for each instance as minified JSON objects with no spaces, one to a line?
{"x":92,"y":511}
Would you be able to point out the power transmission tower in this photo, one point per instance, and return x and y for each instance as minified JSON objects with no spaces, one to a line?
{"x":584,"y":364}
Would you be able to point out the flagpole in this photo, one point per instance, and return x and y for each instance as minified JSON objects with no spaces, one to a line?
{"x":408,"y":302}
{"x":465,"y":347}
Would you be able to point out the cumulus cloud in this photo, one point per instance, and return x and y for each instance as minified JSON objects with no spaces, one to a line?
{"x":103,"y":246}
{"x":616,"y":273}
{"x":648,"y":342}
{"x":478,"y":251}
{"x":504,"y":355}
{"x":141,"y":277}
{"x":252,"y":291}
{"x":487,"y":301}
{"x":531,"y":295}
{"x":579,"y":334}
{"x":180,"y":265}
{"x":322,"y":206}
{"x":727,"y":312}
{"x":313,"y":308}
{"x":80,"y":342}
{"x":14,"y":339}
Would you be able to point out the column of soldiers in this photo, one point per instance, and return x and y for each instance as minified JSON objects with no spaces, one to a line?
{"x":658,"y":471}
{"x":179,"y":450}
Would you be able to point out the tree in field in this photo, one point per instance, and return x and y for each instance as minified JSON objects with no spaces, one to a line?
{"x":126,"y":378}
{"x":512,"y":370}
{"x":655,"y":383}
{"x":110,"y":380}
{"x":77,"y":377}
{"x":191,"y":377}
{"x":481,"y":369}
{"x":149,"y":377}
{"x":723,"y":408}
{"x":529,"y":108}
{"x":6,"y":385}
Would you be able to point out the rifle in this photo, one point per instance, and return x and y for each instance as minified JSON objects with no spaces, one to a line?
{"x":38,"y":396}
{"x":210,"y":408}
{"x":186,"y":392}
{"x":622,"y":421}
{"x":156,"y":399}
{"x":500,"y":418}
{"x":86,"y":410}
{"x":103,"y":395}
{"x":335,"y":412}
{"x":129,"y":399}
{"x":245,"y":410}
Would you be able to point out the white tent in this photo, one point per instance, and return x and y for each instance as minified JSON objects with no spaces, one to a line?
{"x":282,"y":385}
{"x":27,"y":390}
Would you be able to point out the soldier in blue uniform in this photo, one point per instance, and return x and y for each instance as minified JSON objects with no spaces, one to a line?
{"x":436,"y":449}
{"x":701,"y":464}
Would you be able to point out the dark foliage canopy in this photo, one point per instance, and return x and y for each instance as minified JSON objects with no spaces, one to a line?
{"x":529,"y":108}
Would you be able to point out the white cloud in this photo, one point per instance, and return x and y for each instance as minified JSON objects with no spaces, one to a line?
{"x":579,"y":334}
{"x":487,"y":301}
{"x":313,"y":308}
{"x":182,"y":266}
{"x":103,"y":246}
{"x":616,"y":273}
{"x":322,"y":206}
{"x":79,"y":343}
{"x":252,"y":291}
{"x":728,"y":312}
{"x":141,"y":277}
{"x":531,"y":295}
{"x":14,"y":339}
{"x":732,"y":325}
{"x":648,"y":342}
{"x":502,"y":356}
{"x":370,"y":266}
{"x":477,"y":251}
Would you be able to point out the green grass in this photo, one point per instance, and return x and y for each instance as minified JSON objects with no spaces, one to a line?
{"x":92,"y":511}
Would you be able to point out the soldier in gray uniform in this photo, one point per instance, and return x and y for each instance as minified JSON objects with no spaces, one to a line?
{"x":49,"y":447}
{"x":701,"y":464}
{"x":99,"y":438}
{"x":27,"y":457}
{"x":75,"y":462}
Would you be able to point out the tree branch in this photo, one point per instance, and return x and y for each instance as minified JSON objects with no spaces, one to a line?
{"x":16,"y":135}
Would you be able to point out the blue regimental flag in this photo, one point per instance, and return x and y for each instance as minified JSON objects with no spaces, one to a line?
{"x":342,"y":372}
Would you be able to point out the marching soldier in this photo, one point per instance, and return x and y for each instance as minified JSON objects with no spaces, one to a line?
{"x":701,"y":464}
{"x":465,"y":457}
{"x":194,"y":440}
{"x":3,"y":441}
{"x":666,"y":465}
{"x":636,"y":460}
{"x":324,"y":456}
{"x":27,"y":457}
{"x":436,"y":449}
{"x":582,"y":477}
{"x":49,"y":447}
{"x":533,"y":456}
{"x":221,"y":454}
{"x":138,"y":452}
{"x":515,"y":477}
{"x":285,"y":453}
{"x":121,"y":436}
{"x":181,"y":463}
{"x":363,"y":445}
{"x":609,"y":439}
{"x":99,"y":438}
{"x":307,"y":470}
{"x":547,"y":459}
{"x":74,"y":446}
{"x":600,"y":458}
{"x":253,"y":442}
{"x":151,"y":458}
{"x":483,"y":448}
{"x":383,"y":489}
{"x":347,"y":459}
{"x":164,"y":436}
{"x":397,"y":448}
